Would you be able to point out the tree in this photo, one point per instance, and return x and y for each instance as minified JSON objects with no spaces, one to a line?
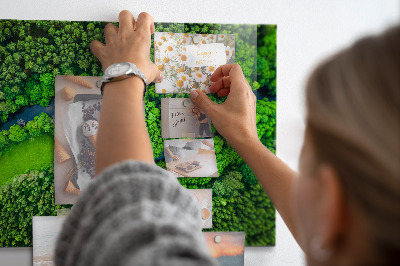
{"x":17,"y":134}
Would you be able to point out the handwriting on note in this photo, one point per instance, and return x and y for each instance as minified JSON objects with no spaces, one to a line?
{"x":210,"y":54}
{"x":177,"y":118}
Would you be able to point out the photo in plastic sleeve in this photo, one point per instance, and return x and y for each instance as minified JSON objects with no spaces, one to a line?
{"x":226,"y":247}
{"x":191,"y":157}
{"x":204,"y":199}
{"x":180,"y":118}
{"x":77,"y":112}
{"x":45,"y":230}
{"x":188,"y":60}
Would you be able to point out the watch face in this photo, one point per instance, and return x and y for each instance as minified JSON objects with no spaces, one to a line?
{"x":117,"y":69}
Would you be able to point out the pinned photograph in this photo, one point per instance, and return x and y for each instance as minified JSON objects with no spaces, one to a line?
{"x":77,"y":113}
{"x":204,"y":199}
{"x":180,"y":118}
{"x":226,"y":247}
{"x":45,"y":230}
{"x":191,"y":157}
{"x":188,"y":60}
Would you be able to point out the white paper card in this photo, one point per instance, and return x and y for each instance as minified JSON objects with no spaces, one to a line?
{"x":210,"y":54}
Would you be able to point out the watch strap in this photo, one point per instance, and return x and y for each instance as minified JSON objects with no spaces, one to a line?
{"x":134,"y":71}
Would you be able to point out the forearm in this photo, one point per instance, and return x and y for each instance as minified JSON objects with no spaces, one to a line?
{"x":122,"y":131}
{"x":273,"y":174}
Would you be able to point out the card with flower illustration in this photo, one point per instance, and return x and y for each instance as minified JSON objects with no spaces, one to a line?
{"x":188,"y":60}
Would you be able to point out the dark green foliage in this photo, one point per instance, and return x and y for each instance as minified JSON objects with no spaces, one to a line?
{"x":266,"y":59}
{"x":248,"y":175}
{"x":266,"y":123}
{"x":41,"y":124}
{"x":17,"y":134}
{"x":30,"y":194}
{"x":229,"y":186}
{"x":33,"y":52}
{"x":197,"y":182}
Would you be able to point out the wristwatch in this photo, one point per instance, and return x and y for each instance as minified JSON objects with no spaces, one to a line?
{"x":120,"y":71}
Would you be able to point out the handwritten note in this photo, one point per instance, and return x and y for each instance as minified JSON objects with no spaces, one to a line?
{"x":205,"y":55}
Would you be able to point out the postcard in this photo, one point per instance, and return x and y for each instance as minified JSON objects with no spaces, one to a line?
{"x":45,"y":230}
{"x":188,"y":60}
{"x":226,"y":247}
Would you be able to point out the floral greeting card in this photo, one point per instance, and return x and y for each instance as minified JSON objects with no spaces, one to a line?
{"x":188,"y":60}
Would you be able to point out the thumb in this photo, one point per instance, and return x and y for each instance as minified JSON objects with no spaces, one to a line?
{"x":202,"y":101}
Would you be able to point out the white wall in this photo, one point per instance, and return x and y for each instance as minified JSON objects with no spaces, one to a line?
{"x":307,"y":32}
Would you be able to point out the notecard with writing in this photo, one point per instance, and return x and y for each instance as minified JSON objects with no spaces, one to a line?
{"x":180,"y":118}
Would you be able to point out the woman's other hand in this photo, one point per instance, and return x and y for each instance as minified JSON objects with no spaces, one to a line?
{"x":235,"y":119}
{"x":129,"y":43}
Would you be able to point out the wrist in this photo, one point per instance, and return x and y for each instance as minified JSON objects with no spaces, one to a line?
{"x":133,"y":85}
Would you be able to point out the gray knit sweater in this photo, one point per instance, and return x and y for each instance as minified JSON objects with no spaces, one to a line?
{"x":134,"y":213}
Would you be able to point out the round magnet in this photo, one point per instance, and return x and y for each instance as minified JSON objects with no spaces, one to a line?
{"x":217,"y":239}
{"x":196,"y":39}
{"x":186,"y":103}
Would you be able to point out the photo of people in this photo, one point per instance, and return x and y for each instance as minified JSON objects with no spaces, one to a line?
{"x":188,"y":60}
{"x":180,"y":118}
{"x":204,"y":199}
{"x":226,"y":247}
{"x":191,"y":157}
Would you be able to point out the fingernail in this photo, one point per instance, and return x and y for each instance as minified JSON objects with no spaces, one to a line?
{"x":160,"y":78}
{"x":194,"y":94}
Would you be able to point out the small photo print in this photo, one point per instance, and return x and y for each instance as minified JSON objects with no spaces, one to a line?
{"x":191,"y":157}
{"x":77,"y":112}
{"x":180,"y":118}
{"x":188,"y":60}
{"x":204,"y":199}
{"x":226,"y":247}
{"x":45,"y":230}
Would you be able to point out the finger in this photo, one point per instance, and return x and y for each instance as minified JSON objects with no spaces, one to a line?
{"x":201,"y":100}
{"x":232,"y":70}
{"x":97,"y":49}
{"x":158,"y":76}
{"x":126,"y":22}
{"x":145,"y":23}
{"x":110,"y":31}
{"x":223,"y":92}
{"x":225,"y":82}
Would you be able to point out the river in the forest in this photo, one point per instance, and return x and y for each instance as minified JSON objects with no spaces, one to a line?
{"x":27,"y":113}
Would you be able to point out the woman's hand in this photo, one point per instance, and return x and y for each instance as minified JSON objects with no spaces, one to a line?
{"x":235,"y":119}
{"x":129,"y":43}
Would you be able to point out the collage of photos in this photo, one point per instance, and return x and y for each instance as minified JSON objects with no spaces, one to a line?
{"x":188,"y":60}
{"x":191,"y":157}
{"x":49,"y":125}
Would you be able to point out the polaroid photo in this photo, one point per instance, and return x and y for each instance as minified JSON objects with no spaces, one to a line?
{"x":226,"y":247}
{"x":204,"y":199}
{"x":180,"y":118}
{"x":191,"y":157}
{"x":77,"y":112}
{"x":188,"y":60}
{"x":45,"y":231}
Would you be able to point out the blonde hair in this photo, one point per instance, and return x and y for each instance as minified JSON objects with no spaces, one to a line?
{"x":353,"y":120}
